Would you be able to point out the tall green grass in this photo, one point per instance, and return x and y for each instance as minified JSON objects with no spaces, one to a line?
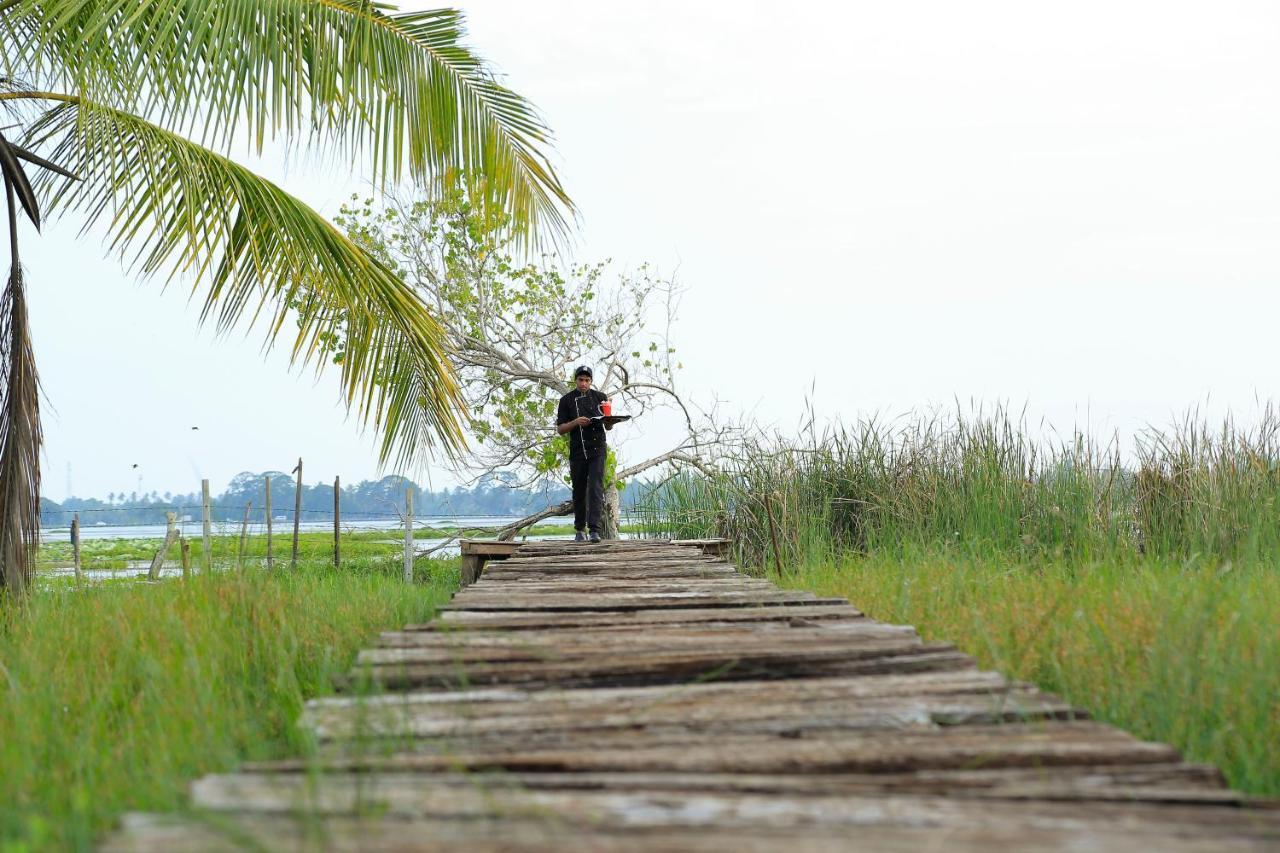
{"x":113,"y":696}
{"x":983,"y":484}
{"x":1187,"y":654}
{"x":1141,"y":582}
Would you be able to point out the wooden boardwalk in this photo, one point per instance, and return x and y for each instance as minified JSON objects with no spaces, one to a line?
{"x":647,"y":696}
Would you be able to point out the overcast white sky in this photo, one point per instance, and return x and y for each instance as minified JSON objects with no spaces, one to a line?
{"x":1070,"y":206}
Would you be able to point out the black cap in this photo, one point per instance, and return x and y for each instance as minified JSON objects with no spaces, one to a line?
{"x":582,"y":370}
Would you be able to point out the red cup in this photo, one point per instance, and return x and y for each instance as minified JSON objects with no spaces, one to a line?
{"x":606,"y":408}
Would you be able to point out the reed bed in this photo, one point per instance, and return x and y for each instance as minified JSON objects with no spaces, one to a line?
{"x":983,"y":485}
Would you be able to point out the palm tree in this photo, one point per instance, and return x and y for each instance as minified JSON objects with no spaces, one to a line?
{"x":126,"y":112}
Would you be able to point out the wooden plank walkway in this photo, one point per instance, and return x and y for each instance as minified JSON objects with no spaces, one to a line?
{"x":641,"y":695}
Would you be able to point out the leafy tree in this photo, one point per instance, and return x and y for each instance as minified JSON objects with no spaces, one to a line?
{"x":127,"y":111}
{"x":515,"y":331}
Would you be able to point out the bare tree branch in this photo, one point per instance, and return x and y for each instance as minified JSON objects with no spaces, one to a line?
{"x":517,"y":328}
{"x":509,"y":532}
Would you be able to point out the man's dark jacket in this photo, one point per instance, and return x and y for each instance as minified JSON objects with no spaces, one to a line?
{"x":588,"y":441}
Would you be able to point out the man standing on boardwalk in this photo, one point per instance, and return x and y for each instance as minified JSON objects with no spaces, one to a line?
{"x":581,"y":417}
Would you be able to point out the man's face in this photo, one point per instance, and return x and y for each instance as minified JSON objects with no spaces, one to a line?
{"x":584,"y":382}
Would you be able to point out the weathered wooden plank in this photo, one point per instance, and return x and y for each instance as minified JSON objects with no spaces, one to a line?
{"x":483,"y":795}
{"x":557,"y":565}
{"x":1150,"y":783}
{"x":685,"y":701}
{"x":663,"y":667}
{"x":634,"y":557}
{"x":859,"y":638}
{"x":776,"y":714}
{"x":565,"y":581}
{"x":569,"y":546}
{"x":608,"y":591}
{"x":783,"y":716}
{"x":604,"y":551}
{"x":508,"y":750}
{"x":497,"y":701}
{"x":1175,"y":782}
{"x":421,"y":646}
{"x":695,"y":634}
{"x":633,"y":601}
{"x":1056,"y":744}
{"x":487,"y":548}
{"x":614,"y":571}
{"x":595,"y":834}
{"x":405,"y":797}
{"x":463,"y":620}
{"x":611,"y":573}
{"x":552,"y":562}
{"x":483,"y":591}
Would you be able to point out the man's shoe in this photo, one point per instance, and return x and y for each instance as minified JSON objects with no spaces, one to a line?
{"x":595,"y":537}
{"x":579,"y":536}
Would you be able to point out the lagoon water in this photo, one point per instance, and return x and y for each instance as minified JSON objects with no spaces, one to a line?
{"x":393,"y":526}
{"x":192,"y":528}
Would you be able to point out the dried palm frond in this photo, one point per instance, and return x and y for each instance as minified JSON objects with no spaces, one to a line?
{"x":20,"y":435}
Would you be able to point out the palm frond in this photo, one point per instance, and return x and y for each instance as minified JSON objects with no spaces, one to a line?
{"x":15,"y":177}
{"x":177,"y":209}
{"x":398,"y":87}
{"x":20,"y":434}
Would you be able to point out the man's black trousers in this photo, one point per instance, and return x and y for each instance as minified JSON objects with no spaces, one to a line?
{"x":588,"y":492}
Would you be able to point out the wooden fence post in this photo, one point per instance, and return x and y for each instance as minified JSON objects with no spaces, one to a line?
{"x":184,"y":547}
{"x":170,"y":536}
{"x":408,"y":535}
{"x":244,"y":531}
{"x":267,"y":511}
{"x":297,"y":513}
{"x":205,"y":512}
{"x":337,"y":520}
{"x":75,"y":546}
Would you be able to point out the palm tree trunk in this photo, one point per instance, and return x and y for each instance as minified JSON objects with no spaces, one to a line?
{"x":20,"y":435}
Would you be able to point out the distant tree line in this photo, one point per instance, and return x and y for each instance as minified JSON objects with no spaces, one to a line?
{"x":495,"y":495}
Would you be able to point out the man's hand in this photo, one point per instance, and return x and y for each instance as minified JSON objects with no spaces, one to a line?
{"x":573,"y":424}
